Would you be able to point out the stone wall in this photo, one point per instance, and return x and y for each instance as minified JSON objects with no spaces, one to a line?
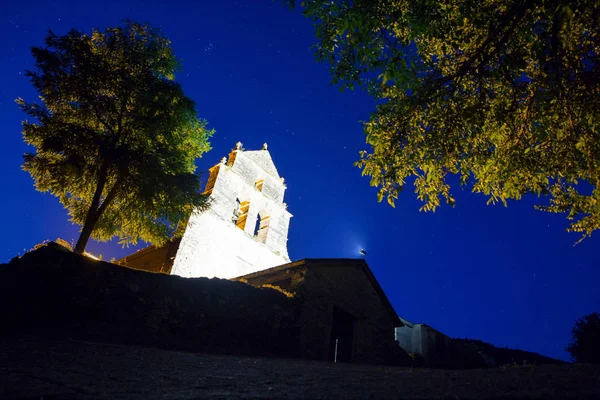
{"x":347,"y":287}
{"x":52,"y":291}
{"x":323,"y":286}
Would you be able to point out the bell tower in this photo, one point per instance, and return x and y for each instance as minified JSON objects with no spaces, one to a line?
{"x":246,"y":228}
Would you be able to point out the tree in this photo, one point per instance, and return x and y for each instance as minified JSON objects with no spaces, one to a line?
{"x":585,"y":347}
{"x":115,"y":136}
{"x":504,"y":96}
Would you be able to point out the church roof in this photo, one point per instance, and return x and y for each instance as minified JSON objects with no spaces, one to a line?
{"x":263,"y":159}
{"x":324,"y":263}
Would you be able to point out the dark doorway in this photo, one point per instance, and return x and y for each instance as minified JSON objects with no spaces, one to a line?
{"x":342,"y":330}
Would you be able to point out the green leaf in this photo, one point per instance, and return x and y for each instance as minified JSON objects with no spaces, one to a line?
{"x":474,"y":92}
{"x":103,"y":97}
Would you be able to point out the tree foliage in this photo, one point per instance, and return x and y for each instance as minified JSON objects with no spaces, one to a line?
{"x":502,"y":94}
{"x":585,"y":347}
{"x":115,"y":136}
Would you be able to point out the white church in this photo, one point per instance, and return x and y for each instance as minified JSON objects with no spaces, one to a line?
{"x":245,"y":230}
{"x":244,"y":235}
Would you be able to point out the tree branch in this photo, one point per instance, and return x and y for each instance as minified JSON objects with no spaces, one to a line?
{"x":111,"y":195}
{"x":517,"y":13}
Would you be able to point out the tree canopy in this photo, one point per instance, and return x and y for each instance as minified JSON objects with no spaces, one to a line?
{"x":585,"y":347}
{"x":502,"y":94}
{"x":115,"y":137}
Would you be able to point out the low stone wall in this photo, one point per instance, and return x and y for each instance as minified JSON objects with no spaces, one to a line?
{"x":51,"y":291}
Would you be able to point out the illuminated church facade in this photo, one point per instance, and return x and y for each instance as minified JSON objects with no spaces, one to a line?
{"x":244,"y":231}
{"x":246,"y":228}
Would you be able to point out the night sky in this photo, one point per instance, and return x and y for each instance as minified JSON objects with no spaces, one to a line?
{"x":508,"y":276}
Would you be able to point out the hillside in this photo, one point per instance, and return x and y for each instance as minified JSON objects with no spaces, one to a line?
{"x":505,"y":356}
{"x":34,"y":368}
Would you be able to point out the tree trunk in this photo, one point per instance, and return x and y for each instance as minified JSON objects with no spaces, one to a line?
{"x":95,"y":212}
{"x":92,"y":215}
{"x":86,"y":232}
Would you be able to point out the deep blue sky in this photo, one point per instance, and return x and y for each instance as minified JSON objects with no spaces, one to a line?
{"x":509,"y":276}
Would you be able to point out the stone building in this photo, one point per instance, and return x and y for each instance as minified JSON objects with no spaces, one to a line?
{"x":436,"y":349}
{"x":244,"y":231}
{"x":343,"y":310}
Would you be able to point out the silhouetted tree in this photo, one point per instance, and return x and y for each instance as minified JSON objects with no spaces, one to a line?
{"x":585,"y":347}
{"x":503,"y":94}
{"x":115,"y":136}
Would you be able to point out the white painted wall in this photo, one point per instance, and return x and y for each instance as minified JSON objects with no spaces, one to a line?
{"x":213,"y":248}
{"x":212,"y":245}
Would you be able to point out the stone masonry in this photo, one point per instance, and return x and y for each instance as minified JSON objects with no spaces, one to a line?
{"x":339,"y":299}
{"x":247,"y":226}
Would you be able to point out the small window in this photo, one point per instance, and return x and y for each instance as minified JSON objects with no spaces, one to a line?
{"x":261,"y":228}
{"x":236,"y":212}
{"x":240,"y":213}
{"x":259,"y":184}
{"x":257,"y":225}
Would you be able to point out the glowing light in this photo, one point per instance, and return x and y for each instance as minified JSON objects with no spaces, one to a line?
{"x":90,"y":255}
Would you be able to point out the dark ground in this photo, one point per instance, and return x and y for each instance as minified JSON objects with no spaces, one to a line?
{"x":33,"y":368}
